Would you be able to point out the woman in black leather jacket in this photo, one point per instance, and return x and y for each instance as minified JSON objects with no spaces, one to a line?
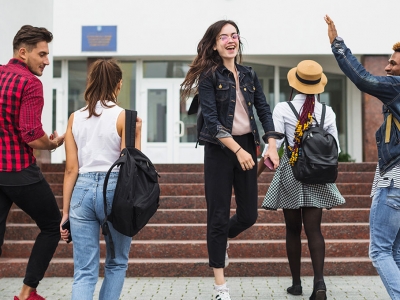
{"x":227,"y":93}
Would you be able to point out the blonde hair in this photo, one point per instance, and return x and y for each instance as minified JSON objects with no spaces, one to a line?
{"x":396,"y":47}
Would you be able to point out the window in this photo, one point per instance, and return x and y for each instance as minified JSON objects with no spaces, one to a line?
{"x":165,"y":69}
{"x":57,"y":69}
{"x":77,"y":74}
{"x":265,"y":75}
{"x":127,"y":96}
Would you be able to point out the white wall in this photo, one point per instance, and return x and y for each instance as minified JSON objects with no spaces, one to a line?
{"x":273,"y":32}
{"x":174,"y":27}
{"x":15,"y":14}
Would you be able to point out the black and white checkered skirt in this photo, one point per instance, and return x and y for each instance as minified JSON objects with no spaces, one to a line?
{"x":287,"y":192}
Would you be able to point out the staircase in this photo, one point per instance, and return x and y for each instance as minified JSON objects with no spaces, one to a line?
{"x":174,"y":242}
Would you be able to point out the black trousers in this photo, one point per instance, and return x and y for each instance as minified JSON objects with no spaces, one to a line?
{"x":222,"y":171}
{"x":38,"y":201}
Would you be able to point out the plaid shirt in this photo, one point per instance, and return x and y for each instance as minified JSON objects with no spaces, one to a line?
{"x":21,"y":103}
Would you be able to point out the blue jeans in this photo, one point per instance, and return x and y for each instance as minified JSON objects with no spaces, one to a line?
{"x":384,"y":248}
{"x":86,"y":215}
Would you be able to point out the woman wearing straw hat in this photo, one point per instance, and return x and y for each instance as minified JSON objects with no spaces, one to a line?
{"x":303,"y":203}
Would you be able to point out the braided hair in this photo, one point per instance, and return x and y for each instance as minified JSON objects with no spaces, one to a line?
{"x":304,"y":122}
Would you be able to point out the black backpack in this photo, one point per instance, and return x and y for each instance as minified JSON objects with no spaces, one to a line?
{"x":317,"y":162}
{"x":137,"y":193}
{"x":195,"y":108}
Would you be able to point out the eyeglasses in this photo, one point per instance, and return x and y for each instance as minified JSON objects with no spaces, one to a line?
{"x":225,"y":38}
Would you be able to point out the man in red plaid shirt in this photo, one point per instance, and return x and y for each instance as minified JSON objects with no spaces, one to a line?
{"x":21,"y":181}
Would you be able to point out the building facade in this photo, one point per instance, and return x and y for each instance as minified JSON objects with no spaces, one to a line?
{"x":155,"y":41}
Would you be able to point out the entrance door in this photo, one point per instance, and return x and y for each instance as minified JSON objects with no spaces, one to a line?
{"x":59,"y":117}
{"x":169,"y":134}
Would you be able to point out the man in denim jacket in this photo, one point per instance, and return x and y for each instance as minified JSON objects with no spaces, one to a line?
{"x":385,"y":208}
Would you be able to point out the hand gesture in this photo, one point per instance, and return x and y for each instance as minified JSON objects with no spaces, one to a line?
{"x":273,"y":155}
{"x":245,"y":159}
{"x":58,"y":139}
{"x":64,"y":232}
{"x":332,"y":33}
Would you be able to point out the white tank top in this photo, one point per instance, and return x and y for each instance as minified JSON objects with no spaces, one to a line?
{"x":96,"y":138}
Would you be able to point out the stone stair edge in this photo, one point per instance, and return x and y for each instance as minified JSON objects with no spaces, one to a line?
{"x":200,"y":260}
{"x":182,"y":242}
{"x":181,"y":167}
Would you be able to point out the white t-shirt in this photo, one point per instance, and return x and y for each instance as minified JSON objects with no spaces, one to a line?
{"x":286,"y":121}
{"x":96,"y":138}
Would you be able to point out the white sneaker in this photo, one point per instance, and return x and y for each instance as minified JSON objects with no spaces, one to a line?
{"x":222,"y":295}
{"x":226,"y":256}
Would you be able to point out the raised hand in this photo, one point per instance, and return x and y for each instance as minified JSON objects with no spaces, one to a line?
{"x":332,"y":32}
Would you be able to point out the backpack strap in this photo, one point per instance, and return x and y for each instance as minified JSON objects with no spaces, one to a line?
{"x":130,"y":129}
{"x":105,"y":229}
{"x":294,"y":110}
{"x":298,"y":117}
{"x":323,"y":115}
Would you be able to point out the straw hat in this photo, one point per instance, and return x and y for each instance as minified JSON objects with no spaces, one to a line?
{"x":307,"y":77}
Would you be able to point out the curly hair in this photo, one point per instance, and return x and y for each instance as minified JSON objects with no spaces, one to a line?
{"x":396,"y":47}
{"x":28,"y":36}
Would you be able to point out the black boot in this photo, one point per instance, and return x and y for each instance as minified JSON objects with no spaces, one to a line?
{"x":319,"y":292}
{"x":295,"y":290}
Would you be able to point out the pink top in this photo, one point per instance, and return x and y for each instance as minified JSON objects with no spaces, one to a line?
{"x":241,"y":122}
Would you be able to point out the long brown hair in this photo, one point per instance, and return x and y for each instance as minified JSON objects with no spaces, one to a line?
{"x":103,"y":79}
{"x":207,"y":58}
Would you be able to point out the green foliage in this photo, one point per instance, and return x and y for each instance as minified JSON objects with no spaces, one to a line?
{"x":281,"y":150}
{"x":345,"y":157}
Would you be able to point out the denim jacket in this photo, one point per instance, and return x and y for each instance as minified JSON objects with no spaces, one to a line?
{"x":218,"y":102}
{"x":387,"y":90}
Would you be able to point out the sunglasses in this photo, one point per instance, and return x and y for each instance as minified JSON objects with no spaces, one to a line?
{"x":225,"y":38}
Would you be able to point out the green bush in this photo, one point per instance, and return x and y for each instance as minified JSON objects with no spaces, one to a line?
{"x":345,"y":157}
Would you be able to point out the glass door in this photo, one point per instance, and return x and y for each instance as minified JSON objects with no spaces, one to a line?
{"x":59,"y":117}
{"x":185,"y":143}
{"x":168,"y":133}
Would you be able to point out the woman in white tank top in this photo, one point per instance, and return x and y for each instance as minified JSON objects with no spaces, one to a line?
{"x":94,"y":139}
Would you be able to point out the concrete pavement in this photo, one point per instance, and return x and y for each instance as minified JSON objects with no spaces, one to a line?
{"x":196,"y":288}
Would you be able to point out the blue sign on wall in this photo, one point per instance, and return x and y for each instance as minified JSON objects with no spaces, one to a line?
{"x":99,"y":38}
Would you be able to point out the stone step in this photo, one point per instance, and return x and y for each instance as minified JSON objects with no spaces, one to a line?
{"x":183,"y":216}
{"x":259,"y":231}
{"x":266,"y":177}
{"x":194,"y":189}
{"x":196,"y":267}
{"x":198,"y":249}
{"x":198,"y":177}
{"x":194,"y":202}
{"x":166,"y":202}
{"x":174,"y":242}
{"x":181,"y":168}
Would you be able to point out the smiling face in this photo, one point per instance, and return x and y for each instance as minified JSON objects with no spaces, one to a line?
{"x":393,"y":68}
{"x":36,"y":59}
{"x":227,"y":43}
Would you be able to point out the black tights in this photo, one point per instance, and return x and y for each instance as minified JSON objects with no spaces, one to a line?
{"x":311,"y":217}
